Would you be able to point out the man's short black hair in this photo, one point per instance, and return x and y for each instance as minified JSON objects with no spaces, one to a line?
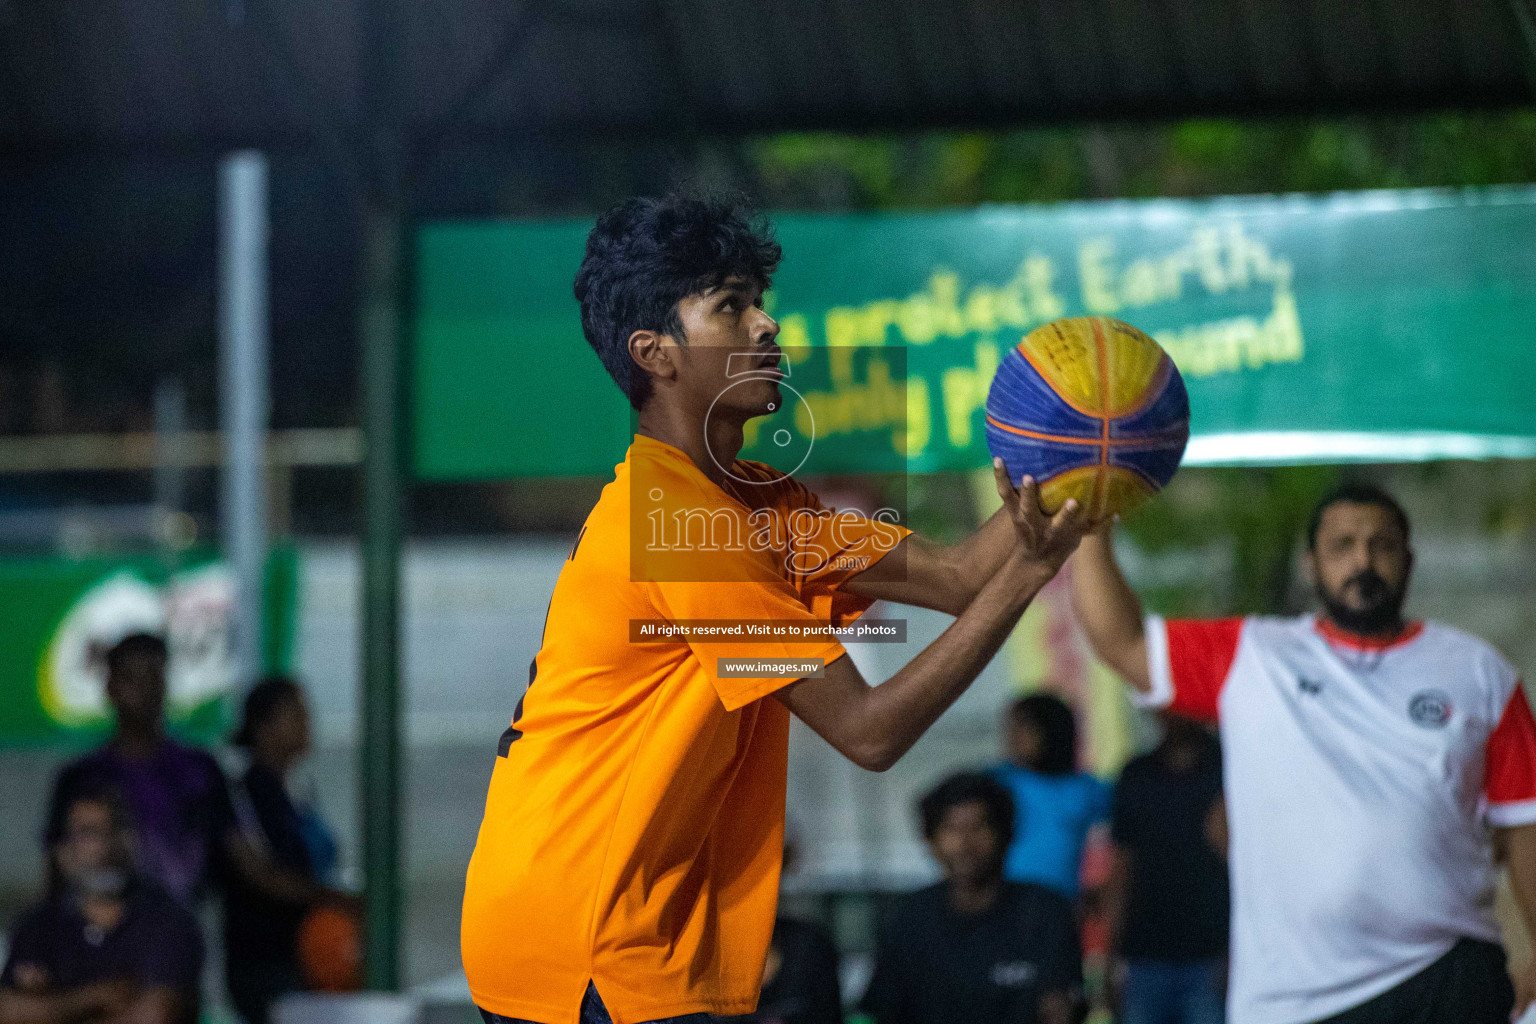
{"x":134,"y":644}
{"x":1053,"y":717}
{"x":646,"y":255}
{"x":962,"y":789}
{"x":1355,"y":492}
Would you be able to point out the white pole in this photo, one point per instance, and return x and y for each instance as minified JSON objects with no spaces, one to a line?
{"x":244,"y":403}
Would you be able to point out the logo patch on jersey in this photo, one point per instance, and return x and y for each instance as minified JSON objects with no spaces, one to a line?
{"x":1310,"y":687}
{"x":1430,"y":708}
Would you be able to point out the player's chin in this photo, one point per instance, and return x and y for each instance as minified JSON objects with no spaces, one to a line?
{"x":766,"y":398}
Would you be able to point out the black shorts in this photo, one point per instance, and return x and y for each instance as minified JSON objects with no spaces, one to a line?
{"x":594,"y":1012}
{"x":1468,"y":985}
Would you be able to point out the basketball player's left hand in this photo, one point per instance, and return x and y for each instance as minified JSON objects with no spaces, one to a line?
{"x":1046,"y":539}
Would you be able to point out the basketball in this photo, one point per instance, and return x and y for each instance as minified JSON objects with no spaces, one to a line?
{"x":1093,"y":409}
{"x":330,"y":947}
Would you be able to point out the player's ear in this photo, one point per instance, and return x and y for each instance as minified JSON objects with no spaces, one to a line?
{"x":655,"y":353}
{"x":1309,"y":565}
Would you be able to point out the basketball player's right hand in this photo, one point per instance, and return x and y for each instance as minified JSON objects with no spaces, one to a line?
{"x":1044,"y":539}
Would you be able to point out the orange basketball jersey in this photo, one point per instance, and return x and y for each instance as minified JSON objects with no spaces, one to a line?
{"x":634,"y":826}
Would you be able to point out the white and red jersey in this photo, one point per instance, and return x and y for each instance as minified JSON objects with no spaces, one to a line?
{"x":1361,"y":781}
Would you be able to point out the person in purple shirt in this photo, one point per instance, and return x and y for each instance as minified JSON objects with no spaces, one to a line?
{"x":176,"y":798}
{"x":105,"y":946}
{"x":186,"y":838}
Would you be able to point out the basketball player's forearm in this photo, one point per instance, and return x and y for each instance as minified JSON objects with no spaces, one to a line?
{"x":1520,"y":842}
{"x":969,"y":564}
{"x":897,"y":712}
{"x":943,"y":577}
{"x":978,"y":558}
{"x":1109,"y":610}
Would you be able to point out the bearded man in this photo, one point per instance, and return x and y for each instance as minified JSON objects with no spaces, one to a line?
{"x":1373,"y":766}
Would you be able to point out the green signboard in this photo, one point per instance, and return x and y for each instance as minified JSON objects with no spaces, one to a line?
{"x":1377,"y":326}
{"x":62,"y":615}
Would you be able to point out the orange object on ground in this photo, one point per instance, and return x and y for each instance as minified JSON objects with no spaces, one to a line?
{"x":330,"y":950}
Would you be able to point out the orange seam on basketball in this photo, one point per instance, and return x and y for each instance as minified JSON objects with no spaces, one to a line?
{"x":1036,"y":435}
{"x":1145,"y":441}
{"x":1102,"y":354}
{"x":1055,"y":385}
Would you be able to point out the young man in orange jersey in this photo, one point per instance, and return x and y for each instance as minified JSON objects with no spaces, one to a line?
{"x":627,"y":866}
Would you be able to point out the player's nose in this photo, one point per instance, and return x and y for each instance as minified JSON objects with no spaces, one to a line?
{"x":765,"y":329}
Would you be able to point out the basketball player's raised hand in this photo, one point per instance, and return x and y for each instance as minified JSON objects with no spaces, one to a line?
{"x":1048,"y":540}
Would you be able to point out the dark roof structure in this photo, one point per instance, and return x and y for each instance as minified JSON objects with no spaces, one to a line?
{"x":114,"y":77}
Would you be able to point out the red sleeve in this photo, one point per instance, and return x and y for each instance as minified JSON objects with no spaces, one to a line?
{"x":1189,"y":660}
{"x":1509,"y":773}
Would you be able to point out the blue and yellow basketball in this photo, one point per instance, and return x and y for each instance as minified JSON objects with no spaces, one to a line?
{"x":1093,"y":409}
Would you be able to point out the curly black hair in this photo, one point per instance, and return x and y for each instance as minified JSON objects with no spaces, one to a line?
{"x":962,"y":789}
{"x":645,"y":255}
{"x":1355,"y":492}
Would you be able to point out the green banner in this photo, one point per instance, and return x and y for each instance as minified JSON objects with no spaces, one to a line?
{"x":1381,"y":326}
{"x":63,"y":615}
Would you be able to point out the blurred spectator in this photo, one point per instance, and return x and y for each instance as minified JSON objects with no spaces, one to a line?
{"x":261,"y":921}
{"x":105,"y":946}
{"x":1057,"y":804}
{"x":800,"y":984}
{"x":800,"y":978}
{"x":975,"y":948}
{"x":1167,"y":895}
{"x":177,"y":803}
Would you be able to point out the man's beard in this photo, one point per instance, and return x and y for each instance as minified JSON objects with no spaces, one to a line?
{"x":1384,"y":605}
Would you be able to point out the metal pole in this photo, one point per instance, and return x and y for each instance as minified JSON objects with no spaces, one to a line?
{"x":243,"y":396}
{"x":382,"y":314}
{"x":382,"y":492}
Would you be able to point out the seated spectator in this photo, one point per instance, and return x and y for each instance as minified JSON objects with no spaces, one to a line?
{"x":1167,"y":894}
{"x":800,"y":977}
{"x":976,"y":948}
{"x":175,"y":796}
{"x":106,"y":946}
{"x":261,"y":921}
{"x":185,"y":837}
{"x":1057,"y":804}
{"x":800,"y":984}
